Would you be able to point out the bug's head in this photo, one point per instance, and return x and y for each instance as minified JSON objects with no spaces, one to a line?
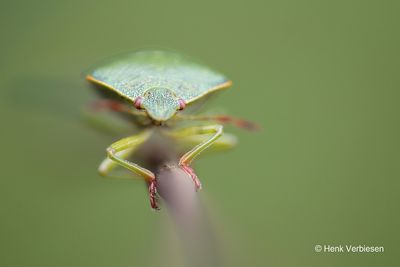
{"x":160,"y":103}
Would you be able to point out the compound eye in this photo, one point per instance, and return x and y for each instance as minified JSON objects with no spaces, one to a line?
{"x":138,"y":103}
{"x":182,"y":104}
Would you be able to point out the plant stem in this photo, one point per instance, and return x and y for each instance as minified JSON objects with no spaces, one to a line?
{"x":180,"y":199}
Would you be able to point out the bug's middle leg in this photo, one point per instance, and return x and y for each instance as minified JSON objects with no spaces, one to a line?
{"x":187,"y":158}
{"x":107,"y":166}
{"x":118,"y":151}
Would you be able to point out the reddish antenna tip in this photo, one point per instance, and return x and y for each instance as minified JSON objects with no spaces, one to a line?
{"x":138,"y":102}
{"x":182,"y":104}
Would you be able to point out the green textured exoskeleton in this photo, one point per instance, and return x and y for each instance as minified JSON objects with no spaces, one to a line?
{"x":157,"y":85}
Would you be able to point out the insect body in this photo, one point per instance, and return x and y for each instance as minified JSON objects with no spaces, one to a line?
{"x":158,"y":85}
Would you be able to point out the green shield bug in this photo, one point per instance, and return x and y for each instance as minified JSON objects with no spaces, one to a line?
{"x":157,"y":86}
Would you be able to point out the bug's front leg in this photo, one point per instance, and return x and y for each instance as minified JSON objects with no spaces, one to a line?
{"x":187,"y":158}
{"x":116,"y":155}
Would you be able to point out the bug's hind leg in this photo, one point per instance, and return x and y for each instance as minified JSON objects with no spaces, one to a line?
{"x":222,"y":119}
{"x":187,"y":158}
{"x":117,"y":154}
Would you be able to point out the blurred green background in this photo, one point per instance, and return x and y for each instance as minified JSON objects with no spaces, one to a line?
{"x":321,"y":77}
